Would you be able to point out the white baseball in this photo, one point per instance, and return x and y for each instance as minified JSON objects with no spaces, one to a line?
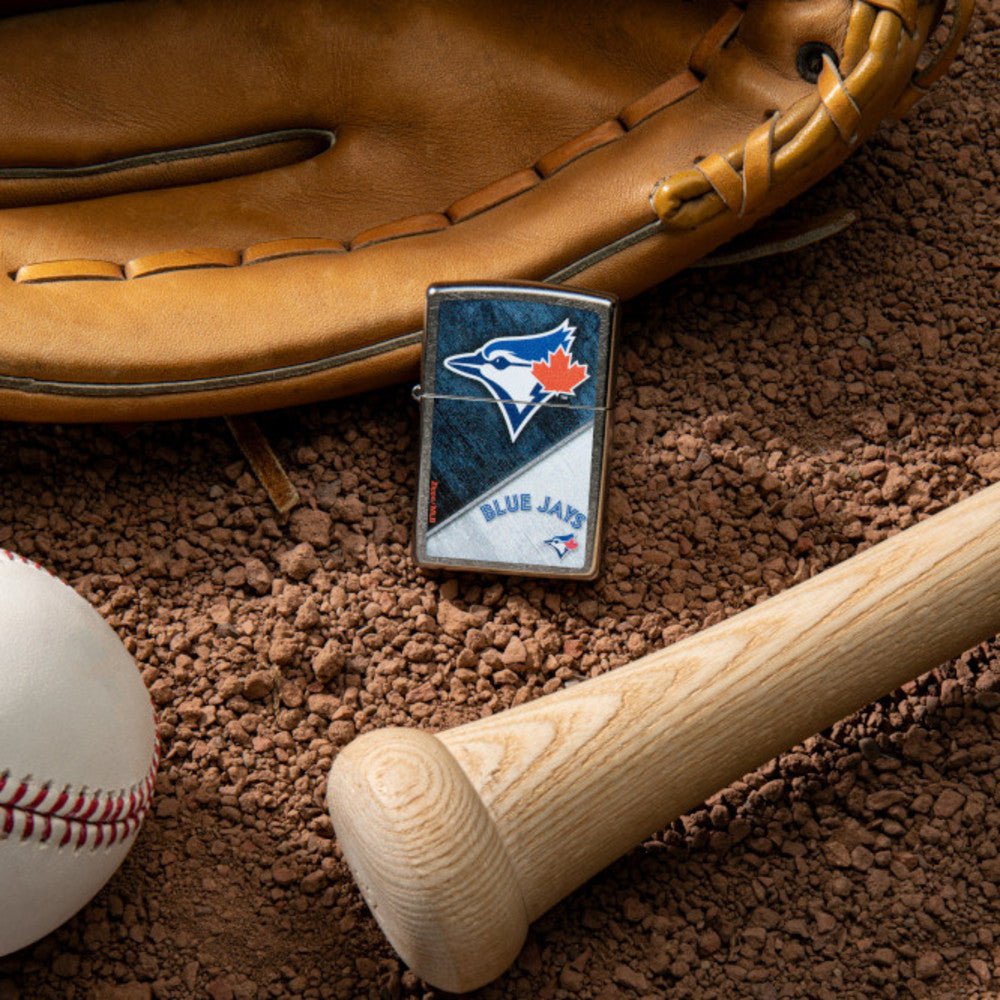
{"x":78,"y":752}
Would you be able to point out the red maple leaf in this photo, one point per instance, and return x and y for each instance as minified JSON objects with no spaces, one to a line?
{"x":560,"y":374}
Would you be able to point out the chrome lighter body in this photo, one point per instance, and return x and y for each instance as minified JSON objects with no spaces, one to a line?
{"x":515,"y":426}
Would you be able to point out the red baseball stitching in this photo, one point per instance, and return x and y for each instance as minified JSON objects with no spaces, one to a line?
{"x":14,"y":557}
{"x":69,"y":817}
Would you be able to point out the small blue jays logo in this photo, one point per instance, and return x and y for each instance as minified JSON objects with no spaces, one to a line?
{"x":524,"y":373}
{"x":563,"y":544}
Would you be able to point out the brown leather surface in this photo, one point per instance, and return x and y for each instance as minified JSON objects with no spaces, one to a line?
{"x":472,"y":141}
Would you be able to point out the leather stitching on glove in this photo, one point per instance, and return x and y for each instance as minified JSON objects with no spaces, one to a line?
{"x":670,"y":92}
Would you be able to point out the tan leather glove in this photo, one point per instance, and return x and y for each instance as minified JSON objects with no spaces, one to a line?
{"x":212,"y":206}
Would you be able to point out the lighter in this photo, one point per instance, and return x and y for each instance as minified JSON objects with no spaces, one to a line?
{"x":515,"y":427}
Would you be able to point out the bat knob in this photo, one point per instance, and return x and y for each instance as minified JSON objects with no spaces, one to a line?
{"x":428,"y":857}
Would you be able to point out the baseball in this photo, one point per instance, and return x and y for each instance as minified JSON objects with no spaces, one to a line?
{"x":78,"y":752}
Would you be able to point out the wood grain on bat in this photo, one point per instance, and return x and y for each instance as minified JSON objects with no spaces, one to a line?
{"x":571,"y":781}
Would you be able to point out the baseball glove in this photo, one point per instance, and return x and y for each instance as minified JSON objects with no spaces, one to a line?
{"x":211,"y":206}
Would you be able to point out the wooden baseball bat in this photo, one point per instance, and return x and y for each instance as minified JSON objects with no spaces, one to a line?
{"x":459,"y":840}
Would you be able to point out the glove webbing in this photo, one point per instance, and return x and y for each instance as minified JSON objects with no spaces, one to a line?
{"x":741,"y":180}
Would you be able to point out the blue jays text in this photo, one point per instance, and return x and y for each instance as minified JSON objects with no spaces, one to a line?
{"x":515,"y":503}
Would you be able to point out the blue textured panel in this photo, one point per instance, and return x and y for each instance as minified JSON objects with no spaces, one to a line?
{"x":472,"y":447}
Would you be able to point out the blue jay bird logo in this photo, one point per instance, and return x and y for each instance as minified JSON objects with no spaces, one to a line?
{"x":563,"y":544}
{"x":524,"y":373}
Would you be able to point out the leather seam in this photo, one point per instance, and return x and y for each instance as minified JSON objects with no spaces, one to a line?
{"x":224,"y":147}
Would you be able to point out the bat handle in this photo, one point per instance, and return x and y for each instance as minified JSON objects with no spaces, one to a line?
{"x":458,"y":841}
